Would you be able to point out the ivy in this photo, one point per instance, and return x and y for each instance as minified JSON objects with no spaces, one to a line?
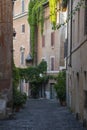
{"x":15,"y":76}
{"x":32,"y":74}
{"x":77,"y":7}
{"x":35,"y":16}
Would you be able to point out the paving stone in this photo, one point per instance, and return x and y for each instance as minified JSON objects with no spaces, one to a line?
{"x":42,"y":114}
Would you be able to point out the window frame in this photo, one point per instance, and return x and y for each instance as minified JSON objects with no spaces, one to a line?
{"x":43,"y":40}
{"x":52,"y":63}
{"x":85,"y":18}
{"x":23,"y":28}
{"x":52,"y":39}
{"x":22,"y":6}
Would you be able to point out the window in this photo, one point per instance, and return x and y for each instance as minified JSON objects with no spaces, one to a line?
{"x":22,"y":57}
{"x":85,"y":79}
{"x":52,"y":63}
{"x":78,"y":24}
{"x":43,"y":41}
{"x":52,"y":39}
{"x":85,"y":18}
{"x":85,"y":102}
{"x":23,"y":28}
{"x":22,"y":6}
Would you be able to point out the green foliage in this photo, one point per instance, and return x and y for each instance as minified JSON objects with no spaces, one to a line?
{"x":19,"y":98}
{"x":60,"y":86}
{"x":71,"y":14}
{"x":35,"y":15}
{"x":32,"y":74}
{"x":15,"y":76}
{"x":42,"y":67}
{"x":52,"y":77}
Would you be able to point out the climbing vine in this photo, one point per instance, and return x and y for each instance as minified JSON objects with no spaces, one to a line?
{"x":54,"y":10}
{"x":77,"y":7}
{"x":35,"y":16}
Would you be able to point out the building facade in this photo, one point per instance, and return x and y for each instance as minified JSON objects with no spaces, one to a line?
{"x":76,"y":60}
{"x":21,"y":42}
{"x":51,"y":49}
{"x":6,"y":54}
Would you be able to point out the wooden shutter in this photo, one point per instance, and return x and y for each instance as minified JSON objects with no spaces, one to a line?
{"x":52,"y":63}
{"x":52,"y":39}
{"x":23,"y":28}
{"x":43,"y":41}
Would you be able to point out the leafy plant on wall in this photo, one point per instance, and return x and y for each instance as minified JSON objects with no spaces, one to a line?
{"x":35,"y":16}
{"x":18,"y":98}
{"x":32,"y":74}
{"x":60,"y":86}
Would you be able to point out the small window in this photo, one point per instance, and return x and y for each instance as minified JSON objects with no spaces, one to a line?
{"x":22,"y":58}
{"x":85,"y":18}
{"x":52,"y":63}
{"x":22,"y":6}
{"x":43,"y":41}
{"x":23,"y":28}
{"x":52,"y":38}
{"x":85,"y":103}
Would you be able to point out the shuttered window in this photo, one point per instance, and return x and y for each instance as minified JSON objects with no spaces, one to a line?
{"x":85,"y":102}
{"x":85,"y":18}
{"x":43,"y":41}
{"x":52,"y":38}
{"x":52,"y":63}
{"x":22,"y":6}
{"x":23,"y":28}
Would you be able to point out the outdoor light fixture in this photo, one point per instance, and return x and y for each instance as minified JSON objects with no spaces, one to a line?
{"x":14,"y":32}
{"x":29,"y":59}
{"x":13,"y":2}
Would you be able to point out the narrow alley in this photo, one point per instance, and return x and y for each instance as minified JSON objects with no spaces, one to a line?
{"x":42,"y":114}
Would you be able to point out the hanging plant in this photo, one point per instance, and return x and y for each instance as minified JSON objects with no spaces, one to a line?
{"x":35,"y":15}
{"x":53,"y":12}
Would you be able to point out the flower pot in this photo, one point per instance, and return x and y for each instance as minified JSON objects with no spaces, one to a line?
{"x":17,"y":109}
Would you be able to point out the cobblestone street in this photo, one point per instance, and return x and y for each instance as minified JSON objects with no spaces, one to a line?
{"x":42,"y":115}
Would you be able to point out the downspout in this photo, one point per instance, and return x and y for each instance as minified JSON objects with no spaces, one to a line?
{"x":70,"y":62}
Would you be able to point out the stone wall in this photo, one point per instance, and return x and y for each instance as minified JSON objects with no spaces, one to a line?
{"x":6,"y":37}
{"x":77,"y":72}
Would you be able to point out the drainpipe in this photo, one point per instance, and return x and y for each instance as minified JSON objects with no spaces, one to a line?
{"x":70,"y":62}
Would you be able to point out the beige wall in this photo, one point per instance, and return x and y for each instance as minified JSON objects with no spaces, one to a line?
{"x":76,"y":78}
{"x":18,"y":4}
{"x":50,"y":51}
{"x":21,"y":39}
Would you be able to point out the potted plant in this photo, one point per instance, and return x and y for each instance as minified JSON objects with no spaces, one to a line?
{"x":60,"y":87}
{"x":18,"y":100}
